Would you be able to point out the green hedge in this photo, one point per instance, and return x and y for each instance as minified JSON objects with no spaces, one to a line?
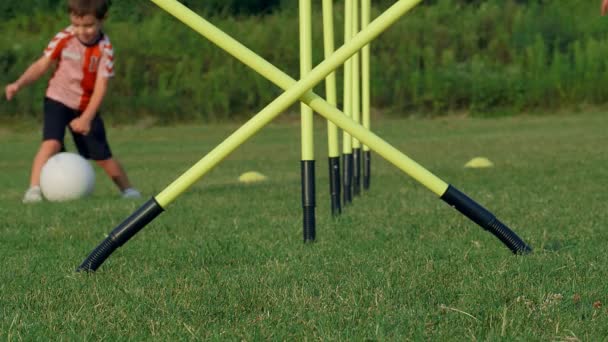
{"x":137,"y":8}
{"x":486,"y":58}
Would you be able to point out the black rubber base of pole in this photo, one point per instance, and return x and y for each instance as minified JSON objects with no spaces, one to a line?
{"x":121,"y":234}
{"x":334,"y":185}
{"x":367,"y":169}
{"x":309,"y":232}
{"x":485,"y":219}
{"x":308,"y":199}
{"x":356,"y":171}
{"x":347,"y":180}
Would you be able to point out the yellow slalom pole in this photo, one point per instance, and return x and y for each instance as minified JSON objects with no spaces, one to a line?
{"x":333,"y":143}
{"x":365,"y":69}
{"x":356,"y":106}
{"x":347,"y":140}
{"x":355,"y":64}
{"x":305,"y":67}
{"x":347,"y":77}
{"x":365,"y":92}
{"x":307,"y":163}
{"x":330,"y":80}
{"x":317,"y":103}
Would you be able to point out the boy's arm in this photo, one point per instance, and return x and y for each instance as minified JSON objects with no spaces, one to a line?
{"x":82,"y":124}
{"x":34,"y":72}
{"x":604,"y":7}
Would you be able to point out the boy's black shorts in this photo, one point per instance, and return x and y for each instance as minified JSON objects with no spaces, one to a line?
{"x":91,"y":146}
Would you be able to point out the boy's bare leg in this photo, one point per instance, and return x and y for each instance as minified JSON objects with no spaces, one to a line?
{"x":115,"y":171}
{"x":47,"y":149}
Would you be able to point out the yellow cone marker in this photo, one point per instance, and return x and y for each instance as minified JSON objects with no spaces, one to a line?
{"x":478,"y":163}
{"x":252,"y":177}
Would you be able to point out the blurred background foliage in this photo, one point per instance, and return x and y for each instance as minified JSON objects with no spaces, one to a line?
{"x":482,"y":58}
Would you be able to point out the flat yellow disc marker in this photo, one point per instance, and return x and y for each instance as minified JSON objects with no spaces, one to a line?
{"x":252,"y":177}
{"x":479,"y":162}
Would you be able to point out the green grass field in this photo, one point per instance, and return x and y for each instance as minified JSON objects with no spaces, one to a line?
{"x":226,"y":261}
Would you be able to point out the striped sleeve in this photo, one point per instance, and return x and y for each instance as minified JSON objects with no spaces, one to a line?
{"x":106,"y":67}
{"x":53,"y":50}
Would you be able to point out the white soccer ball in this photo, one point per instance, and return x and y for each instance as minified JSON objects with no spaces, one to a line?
{"x":66,"y":176}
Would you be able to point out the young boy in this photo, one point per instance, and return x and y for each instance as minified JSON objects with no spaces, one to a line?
{"x":83,"y":60}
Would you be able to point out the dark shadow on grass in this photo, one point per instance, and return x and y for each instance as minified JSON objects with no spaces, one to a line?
{"x":557,"y":245}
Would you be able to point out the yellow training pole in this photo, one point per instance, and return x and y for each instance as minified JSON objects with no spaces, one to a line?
{"x":365,"y":92}
{"x":317,"y":103}
{"x":307,"y":164}
{"x":301,"y":90}
{"x":305,"y":67}
{"x":333,"y":144}
{"x":347,"y":143}
{"x":356,"y":106}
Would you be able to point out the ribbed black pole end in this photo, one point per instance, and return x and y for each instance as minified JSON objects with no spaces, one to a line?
{"x":356,"y":171}
{"x":309,"y":231}
{"x":367,"y":169}
{"x":308,"y":199}
{"x":334,"y":185}
{"x":98,"y":256}
{"x":347,"y":180}
{"x":508,"y":237}
{"x":485,"y":219}
{"x":121,"y":234}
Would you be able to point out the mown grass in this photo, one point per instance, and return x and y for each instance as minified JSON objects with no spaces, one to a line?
{"x":226,"y":261}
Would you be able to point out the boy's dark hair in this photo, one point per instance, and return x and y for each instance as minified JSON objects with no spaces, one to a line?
{"x":98,"y":8}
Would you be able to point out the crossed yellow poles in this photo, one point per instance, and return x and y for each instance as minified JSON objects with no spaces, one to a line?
{"x":294,"y":91}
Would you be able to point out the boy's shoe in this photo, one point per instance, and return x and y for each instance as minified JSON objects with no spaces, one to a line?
{"x":130,"y":193}
{"x":33,"y":195}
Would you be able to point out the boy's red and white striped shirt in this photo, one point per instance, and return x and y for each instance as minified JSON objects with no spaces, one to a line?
{"x":78,"y":67}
